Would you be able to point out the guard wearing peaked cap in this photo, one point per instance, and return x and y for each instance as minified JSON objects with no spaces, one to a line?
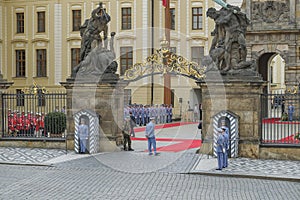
{"x":220,"y":145}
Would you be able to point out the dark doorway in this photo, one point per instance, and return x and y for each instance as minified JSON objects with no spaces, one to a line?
{"x":263,"y":64}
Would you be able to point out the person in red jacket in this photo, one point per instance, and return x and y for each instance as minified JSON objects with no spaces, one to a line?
{"x":26,"y":124}
{"x":37,"y":125}
{"x":19,"y":125}
{"x":11,"y":125}
{"x":42,"y":125}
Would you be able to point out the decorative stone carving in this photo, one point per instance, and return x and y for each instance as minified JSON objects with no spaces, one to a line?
{"x":270,"y":11}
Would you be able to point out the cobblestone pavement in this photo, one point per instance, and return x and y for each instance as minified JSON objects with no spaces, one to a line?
{"x":57,"y":174}
{"x":28,"y":155}
{"x":245,"y":167}
{"x":90,"y":177}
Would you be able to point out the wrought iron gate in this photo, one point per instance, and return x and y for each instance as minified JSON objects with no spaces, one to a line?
{"x":23,"y":114}
{"x":280,"y":123}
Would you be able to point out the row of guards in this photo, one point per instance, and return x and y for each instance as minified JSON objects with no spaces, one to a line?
{"x":24,"y":115}
{"x":26,"y":125}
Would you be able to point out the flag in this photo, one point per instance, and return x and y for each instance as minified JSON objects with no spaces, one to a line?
{"x":164,"y":3}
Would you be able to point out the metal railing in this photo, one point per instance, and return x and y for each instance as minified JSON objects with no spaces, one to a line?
{"x":23,"y":115}
{"x":280,"y":118}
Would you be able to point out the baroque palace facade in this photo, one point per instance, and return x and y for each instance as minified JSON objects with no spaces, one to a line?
{"x":40,"y":42}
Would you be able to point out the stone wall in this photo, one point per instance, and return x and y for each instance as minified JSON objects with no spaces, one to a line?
{"x":45,"y":144}
{"x":279,"y":153}
{"x":274,"y":30}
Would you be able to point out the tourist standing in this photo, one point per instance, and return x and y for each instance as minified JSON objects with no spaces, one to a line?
{"x":132,"y":124}
{"x":126,"y":134}
{"x":150,"y":135}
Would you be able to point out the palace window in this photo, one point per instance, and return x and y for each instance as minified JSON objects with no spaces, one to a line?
{"x":126,"y":18}
{"x":76,"y":19}
{"x":197,"y":54}
{"x":126,"y":59}
{"x":20,"y":97}
{"x":20,"y":22}
{"x":20,"y":63}
{"x":41,"y":63}
{"x":40,"y":22}
{"x":172,"y":11}
{"x":197,"y":18}
{"x":75,"y":57}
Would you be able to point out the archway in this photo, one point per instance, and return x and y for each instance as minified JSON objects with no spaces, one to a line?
{"x":160,"y":63}
{"x":272,"y":68}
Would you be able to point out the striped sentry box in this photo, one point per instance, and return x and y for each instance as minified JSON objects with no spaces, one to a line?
{"x":233,"y":132}
{"x":94,"y":135}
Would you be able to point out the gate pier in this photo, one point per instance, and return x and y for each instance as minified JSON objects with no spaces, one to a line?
{"x":106,"y":100}
{"x":232,"y":94}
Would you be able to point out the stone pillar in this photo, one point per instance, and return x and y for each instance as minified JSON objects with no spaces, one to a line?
{"x":239,"y":95}
{"x":106,"y":99}
{"x":4,"y":84}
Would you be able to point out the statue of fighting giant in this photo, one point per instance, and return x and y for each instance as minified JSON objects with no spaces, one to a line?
{"x":97,"y":61}
{"x":228,"y":49}
{"x":91,"y":29}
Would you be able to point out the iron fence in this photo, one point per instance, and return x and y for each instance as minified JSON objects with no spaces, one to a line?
{"x":23,"y":115}
{"x":280,"y":118}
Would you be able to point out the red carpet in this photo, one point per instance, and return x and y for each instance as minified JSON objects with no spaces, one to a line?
{"x":286,"y":140}
{"x":181,"y":144}
{"x":277,"y":121}
{"x":160,"y":126}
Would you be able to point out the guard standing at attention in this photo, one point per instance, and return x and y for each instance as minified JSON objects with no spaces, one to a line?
{"x":220,"y":146}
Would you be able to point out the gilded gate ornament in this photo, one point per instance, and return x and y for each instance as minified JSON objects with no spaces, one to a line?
{"x":164,"y":61}
{"x":34,"y":89}
{"x":293,"y":90}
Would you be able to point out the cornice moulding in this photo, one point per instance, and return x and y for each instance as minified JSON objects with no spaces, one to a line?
{"x":198,"y":37}
{"x":19,"y":40}
{"x":125,"y":36}
{"x":73,"y":38}
{"x":34,"y":40}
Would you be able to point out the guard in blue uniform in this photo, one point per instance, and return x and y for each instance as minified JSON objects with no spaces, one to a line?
{"x":226,"y":145}
{"x":83,"y":131}
{"x":220,"y":145}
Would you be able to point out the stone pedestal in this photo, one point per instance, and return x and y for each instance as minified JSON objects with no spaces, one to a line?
{"x":106,"y":99}
{"x":239,"y":95}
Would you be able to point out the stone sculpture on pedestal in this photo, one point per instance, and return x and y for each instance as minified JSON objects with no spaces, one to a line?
{"x":97,"y":61}
{"x":228,"y":49}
